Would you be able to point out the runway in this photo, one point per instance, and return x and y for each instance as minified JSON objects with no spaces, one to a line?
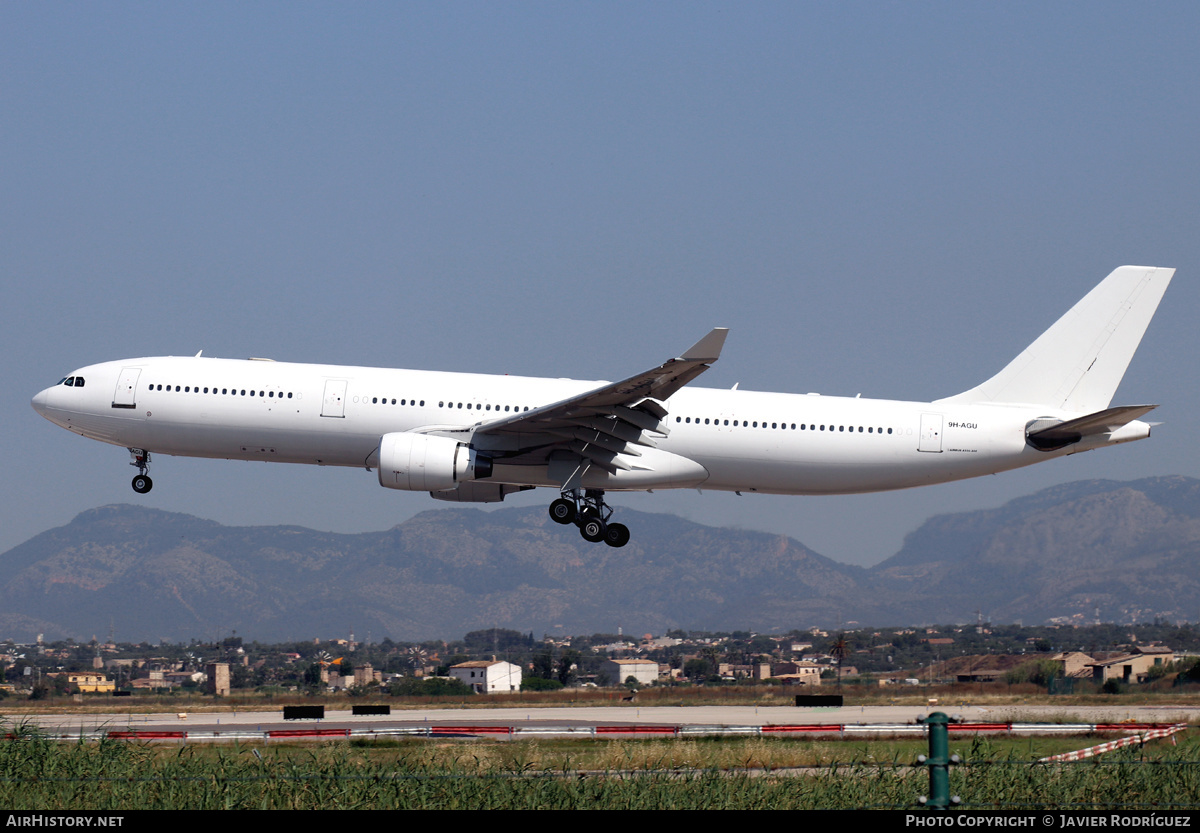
{"x":603,"y":720}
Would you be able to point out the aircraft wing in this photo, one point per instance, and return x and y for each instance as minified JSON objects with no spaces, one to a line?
{"x":602,"y":425}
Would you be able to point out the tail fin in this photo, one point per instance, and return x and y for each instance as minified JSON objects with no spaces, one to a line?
{"x":1077,"y":364}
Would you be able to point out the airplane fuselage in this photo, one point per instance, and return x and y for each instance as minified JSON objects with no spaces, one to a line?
{"x":730,"y":440}
{"x":477,"y":438}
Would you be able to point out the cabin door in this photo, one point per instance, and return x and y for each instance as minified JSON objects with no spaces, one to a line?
{"x":931,"y":433}
{"x":123,"y":396}
{"x":334,"y":403}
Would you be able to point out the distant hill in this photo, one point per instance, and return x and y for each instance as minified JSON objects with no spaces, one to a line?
{"x":1129,"y":549}
{"x":158,"y":575}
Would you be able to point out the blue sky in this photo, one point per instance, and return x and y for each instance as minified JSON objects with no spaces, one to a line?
{"x":890,"y":199}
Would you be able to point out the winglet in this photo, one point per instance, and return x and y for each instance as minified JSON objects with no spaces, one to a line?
{"x":707,"y":349}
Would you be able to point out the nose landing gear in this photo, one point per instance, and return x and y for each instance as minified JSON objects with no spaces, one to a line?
{"x":141,"y":461}
{"x":590,"y":513}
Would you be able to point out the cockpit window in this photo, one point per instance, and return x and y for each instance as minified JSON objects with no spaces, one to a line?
{"x":69,"y":381}
{"x":78,"y":381}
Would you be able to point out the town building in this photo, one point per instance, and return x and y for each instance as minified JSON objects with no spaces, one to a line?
{"x":90,"y":682}
{"x":1133,"y":667}
{"x":488,"y":676}
{"x":644,"y":671}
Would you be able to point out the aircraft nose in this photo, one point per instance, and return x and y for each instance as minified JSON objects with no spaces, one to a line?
{"x":41,"y":401}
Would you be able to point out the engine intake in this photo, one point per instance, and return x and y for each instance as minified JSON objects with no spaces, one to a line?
{"x":425,"y":463}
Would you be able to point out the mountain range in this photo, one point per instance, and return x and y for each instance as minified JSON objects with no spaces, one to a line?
{"x":1081,"y":552}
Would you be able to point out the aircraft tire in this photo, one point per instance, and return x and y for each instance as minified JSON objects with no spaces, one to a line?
{"x":592,"y":529}
{"x":142,"y":484}
{"x":562,"y":511}
{"x":616,"y":535}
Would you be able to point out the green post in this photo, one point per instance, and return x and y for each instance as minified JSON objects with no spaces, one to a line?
{"x":939,"y":762}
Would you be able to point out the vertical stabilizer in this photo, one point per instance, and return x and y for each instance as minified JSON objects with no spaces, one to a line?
{"x":1077,"y":364}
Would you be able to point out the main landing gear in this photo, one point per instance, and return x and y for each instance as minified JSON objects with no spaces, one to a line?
{"x":590,"y":513}
{"x":141,"y":460}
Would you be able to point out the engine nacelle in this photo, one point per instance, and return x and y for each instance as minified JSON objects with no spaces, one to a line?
{"x":424,"y":463}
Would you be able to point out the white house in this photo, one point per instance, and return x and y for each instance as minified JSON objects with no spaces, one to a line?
{"x":488,"y":676}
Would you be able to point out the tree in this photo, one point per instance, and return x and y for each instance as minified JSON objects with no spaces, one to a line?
{"x":312,"y":676}
{"x":429,"y":687}
{"x":543,"y":665}
{"x":539,"y":684}
{"x":568,"y":664}
{"x":839,"y":651}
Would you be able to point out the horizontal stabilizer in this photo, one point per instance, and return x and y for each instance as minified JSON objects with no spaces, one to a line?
{"x":1073,"y":430}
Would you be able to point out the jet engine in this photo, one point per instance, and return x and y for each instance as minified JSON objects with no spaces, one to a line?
{"x":425,"y":463}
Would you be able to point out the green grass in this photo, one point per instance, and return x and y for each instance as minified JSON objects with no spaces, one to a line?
{"x":754,"y":773}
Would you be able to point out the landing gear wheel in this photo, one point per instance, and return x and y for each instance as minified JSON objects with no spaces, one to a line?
{"x":142,"y":484}
{"x":592,"y":529}
{"x":562,"y":511}
{"x":616,"y":535}
{"x":589,"y":512}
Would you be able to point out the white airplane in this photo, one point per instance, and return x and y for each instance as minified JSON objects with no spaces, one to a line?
{"x":478,"y":438}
